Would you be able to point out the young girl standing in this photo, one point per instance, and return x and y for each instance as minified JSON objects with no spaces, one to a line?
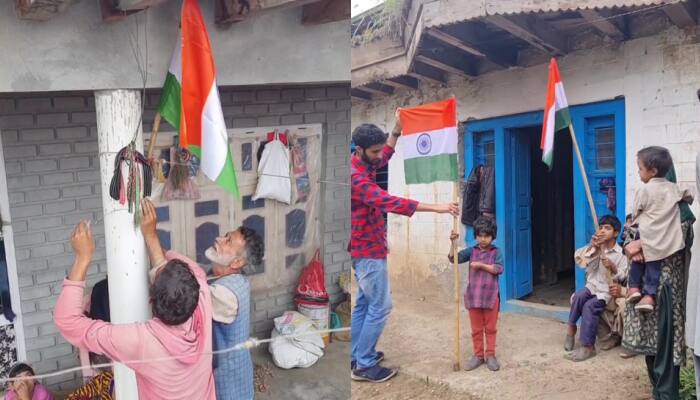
{"x":481,"y":295}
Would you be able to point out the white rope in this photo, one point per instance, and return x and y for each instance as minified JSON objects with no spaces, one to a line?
{"x":248,"y":344}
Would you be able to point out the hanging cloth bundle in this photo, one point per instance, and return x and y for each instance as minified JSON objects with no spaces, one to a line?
{"x":273,"y":173}
{"x":138,"y":183}
{"x":179,"y":186}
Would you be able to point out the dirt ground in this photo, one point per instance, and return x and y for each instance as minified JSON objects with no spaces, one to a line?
{"x":419,"y":339}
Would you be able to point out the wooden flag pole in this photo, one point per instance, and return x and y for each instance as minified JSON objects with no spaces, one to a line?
{"x":154,"y":135}
{"x":586,"y":185}
{"x":455,"y":262}
{"x":455,"y":266}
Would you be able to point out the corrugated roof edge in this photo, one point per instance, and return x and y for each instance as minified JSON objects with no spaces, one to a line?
{"x":500,"y":7}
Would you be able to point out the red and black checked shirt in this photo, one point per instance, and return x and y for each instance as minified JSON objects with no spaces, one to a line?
{"x":368,"y":202}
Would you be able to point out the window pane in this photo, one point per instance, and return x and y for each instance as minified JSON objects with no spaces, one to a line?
{"x":247,"y":156}
{"x":296,"y":228}
{"x":249,"y":203}
{"x":204,"y":237}
{"x":164,"y":237}
{"x":163,"y":214}
{"x":204,"y":208}
{"x":257,"y":223}
{"x":292,"y":260}
{"x":490,"y":153}
{"x":605,"y":148}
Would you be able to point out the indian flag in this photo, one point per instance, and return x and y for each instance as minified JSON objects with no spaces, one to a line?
{"x":556,"y":113}
{"x":430,"y":142}
{"x":190,"y":100}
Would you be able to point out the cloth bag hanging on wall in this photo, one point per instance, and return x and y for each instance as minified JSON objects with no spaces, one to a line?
{"x":273,"y":173}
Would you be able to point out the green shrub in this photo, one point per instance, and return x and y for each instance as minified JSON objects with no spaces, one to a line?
{"x":688,"y":383}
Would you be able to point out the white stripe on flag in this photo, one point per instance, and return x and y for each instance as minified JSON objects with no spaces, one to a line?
{"x":560,"y":96}
{"x":214,"y":135}
{"x":432,"y":143}
{"x":176,"y":62}
{"x":549,"y":136}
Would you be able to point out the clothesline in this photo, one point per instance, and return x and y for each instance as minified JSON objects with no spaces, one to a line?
{"x":248,"y":344}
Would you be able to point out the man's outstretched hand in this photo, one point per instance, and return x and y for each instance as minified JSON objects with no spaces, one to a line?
{"x":82,"y":242}
{"x":449,"y":208}
{"x":443,"y":208}
{"x":84,"y":246}
{"x":148,"y":228}
{"x":148,"y":218}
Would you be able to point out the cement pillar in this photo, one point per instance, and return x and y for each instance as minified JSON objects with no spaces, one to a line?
{"x":118,"y":116}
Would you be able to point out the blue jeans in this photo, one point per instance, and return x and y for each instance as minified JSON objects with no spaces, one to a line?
{"x":650,"y":272}
{"x":371,"y":311}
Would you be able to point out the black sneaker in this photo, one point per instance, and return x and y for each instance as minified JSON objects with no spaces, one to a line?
{"x":379,"y":358}
{"x":374,"y":374}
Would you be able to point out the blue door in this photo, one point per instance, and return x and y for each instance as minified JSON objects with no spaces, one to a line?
{"x":600,"y":134}
{"x":520,"y":215}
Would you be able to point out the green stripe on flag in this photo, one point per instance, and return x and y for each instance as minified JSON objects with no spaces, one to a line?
{"x":169,"y":106}
{"x":547,"y":159}
{"x":227,"y":178}
{"x":431,"y":169}
{"x":562,"y":119}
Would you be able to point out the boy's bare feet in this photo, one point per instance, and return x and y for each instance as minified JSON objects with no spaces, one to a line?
{"x":582,"y":354}
{"x":569,"y":342}
{"x":570,"y":335}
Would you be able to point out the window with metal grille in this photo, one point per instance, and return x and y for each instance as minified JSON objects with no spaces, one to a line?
{"x":605,"y":148}
{"x":484,"y":148}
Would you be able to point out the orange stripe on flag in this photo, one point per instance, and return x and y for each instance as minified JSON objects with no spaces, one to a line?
{"x":551,"y":97}
{"x":429,"y":117}
{"x":198,"y":72}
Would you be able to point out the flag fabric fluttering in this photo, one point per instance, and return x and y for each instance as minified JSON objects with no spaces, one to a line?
{"x":429,"y":136}
{"x":556,"y":113}
{"x":190,"y":100}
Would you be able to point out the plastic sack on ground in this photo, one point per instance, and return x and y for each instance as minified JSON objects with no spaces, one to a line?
{"x":300,"y":351}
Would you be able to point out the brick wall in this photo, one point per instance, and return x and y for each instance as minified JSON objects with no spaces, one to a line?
{"x":50,"y":148}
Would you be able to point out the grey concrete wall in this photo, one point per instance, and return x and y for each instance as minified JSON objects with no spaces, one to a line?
{"x":77,"y":51}
{"x":50,"y":147}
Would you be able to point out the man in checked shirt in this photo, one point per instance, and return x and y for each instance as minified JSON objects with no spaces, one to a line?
{"x":368,"y":246}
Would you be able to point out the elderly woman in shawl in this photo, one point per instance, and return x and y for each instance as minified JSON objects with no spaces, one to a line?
{"x":660,"y":335}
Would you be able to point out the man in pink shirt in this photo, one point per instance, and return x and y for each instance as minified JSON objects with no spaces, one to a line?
{"x":181,"y":326}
